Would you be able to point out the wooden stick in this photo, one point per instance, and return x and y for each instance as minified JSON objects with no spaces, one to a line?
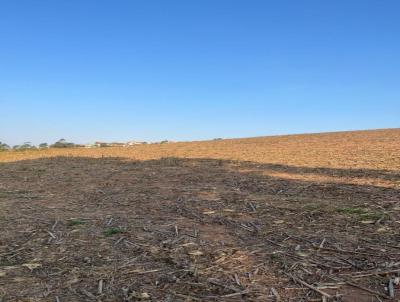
{"x":391,"y":288}
{"x":100,"y":288}
{"x":276,"y":294}
{"x":236,"y":294}
{"x":373,"y":273}
{"x":218,"y":283}
{"x":298,"y":280}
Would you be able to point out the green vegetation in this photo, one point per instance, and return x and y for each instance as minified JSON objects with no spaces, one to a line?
{"x":24,"y":146}
{"x":113,"y":231}
{"x":75,"y":222}
{"x":62,"y":143}
{"x":348,"y":210}
{"x":362,"y":213}
{"x":4,"y":147}
{"x":372,"y":215}
{"x":311,"y":207}
{"x":4,"y":193}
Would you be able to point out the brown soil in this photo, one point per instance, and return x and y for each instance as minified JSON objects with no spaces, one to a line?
{"x":230,"y":220}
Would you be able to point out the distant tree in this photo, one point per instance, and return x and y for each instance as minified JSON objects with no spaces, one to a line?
{"x":4,"y":147}
{"x":43,"y":146}
{"x":24,"y":146}
{"x":62,"y":143}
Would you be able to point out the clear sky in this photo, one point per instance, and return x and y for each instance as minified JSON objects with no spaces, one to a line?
{"x":120,"y":70}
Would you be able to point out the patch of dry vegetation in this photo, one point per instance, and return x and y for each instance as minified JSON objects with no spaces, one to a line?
{"x":294,"y":218}
{"x":377,"y":149}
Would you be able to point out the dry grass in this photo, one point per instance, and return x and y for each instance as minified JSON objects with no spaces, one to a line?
{"x":377,"y":149}
{"x":203,"y":221}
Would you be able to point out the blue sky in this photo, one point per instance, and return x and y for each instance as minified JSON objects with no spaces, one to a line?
{"x":120,"y":70}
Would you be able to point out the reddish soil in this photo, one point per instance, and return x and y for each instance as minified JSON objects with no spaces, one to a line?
{"x":261,"y":219}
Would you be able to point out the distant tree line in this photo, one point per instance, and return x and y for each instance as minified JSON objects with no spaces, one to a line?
{"x":61,"y":143}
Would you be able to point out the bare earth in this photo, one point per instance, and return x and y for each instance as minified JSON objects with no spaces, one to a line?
{"x":288,"y":218}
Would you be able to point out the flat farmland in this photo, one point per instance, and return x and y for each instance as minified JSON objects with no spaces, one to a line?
{"x":311,"y":217}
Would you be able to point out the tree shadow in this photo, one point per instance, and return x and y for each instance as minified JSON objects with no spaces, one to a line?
{"x":335,"y":172}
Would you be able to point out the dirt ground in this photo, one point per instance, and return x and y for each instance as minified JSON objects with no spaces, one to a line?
{"x":288,"y":218}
